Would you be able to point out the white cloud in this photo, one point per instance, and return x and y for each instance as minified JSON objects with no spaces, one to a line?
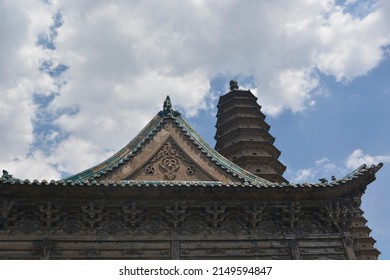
{"x":357,"y":158}
{"x":322,"y":168}
{"x":124,"y":58}
{"x":304,"y":175}
{"x":33,"y":166}
{"x":74,"y":154}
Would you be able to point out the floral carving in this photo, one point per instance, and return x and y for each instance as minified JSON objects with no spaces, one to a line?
{"x":168,"y":159}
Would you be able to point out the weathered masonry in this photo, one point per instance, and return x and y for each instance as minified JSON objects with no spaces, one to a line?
{"x":168,"y":195}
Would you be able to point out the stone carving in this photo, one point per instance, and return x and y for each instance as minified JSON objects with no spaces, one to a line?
{"x":149,"y":170}
{"x":91,"y":216}
{"x":201,"y":221}
{"x":339,"y":215}
{"x":215,"y":216}
{"x":176,"y":214}
{"x":71,"y":226}
{"x":254,"y":215}
{"x":49,"y":215}
{"x":168,"y":159}
{"x":290,"y":216}
{"x":132,"y":216}
{"x":190,"y":170}
{"x":193,"y":227}
{"x":154,"y":227}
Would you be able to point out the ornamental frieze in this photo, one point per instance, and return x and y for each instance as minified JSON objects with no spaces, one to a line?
{"x":136,"y":218}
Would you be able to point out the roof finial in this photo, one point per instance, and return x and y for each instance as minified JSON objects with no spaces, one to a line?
{"x":168,"y":109}
{"x":233,"y":85}
{"x":167,"y":104}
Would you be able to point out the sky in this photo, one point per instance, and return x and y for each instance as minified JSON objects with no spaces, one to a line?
{"x":79,"y":79}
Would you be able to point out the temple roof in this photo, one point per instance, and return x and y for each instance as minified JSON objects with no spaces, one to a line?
{"x":169,"y":153}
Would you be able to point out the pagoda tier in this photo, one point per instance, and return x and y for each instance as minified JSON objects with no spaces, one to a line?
{"x":242,"y":135}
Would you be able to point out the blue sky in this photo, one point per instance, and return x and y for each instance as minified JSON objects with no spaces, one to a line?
{"x":82,"y":78}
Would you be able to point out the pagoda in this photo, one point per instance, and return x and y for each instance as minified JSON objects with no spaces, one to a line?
{"x":168,"y":195}
{"x":243,"y":135}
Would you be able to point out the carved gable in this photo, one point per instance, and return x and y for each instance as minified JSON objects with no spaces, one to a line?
{"x":171,"y":163}
{"x":169,"y":155}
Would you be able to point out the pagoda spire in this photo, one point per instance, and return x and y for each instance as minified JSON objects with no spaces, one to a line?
{"x":242,"y":135}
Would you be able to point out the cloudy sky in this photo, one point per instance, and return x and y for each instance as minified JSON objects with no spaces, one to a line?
{"x":79,"y":79}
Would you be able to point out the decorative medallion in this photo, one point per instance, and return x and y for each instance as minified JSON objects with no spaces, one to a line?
{"x":190,"y":170}
{"x":149,"y":170}
{"x":193,"y":227}
{"x":153,"y":227}
{"x":71,"y":226}
{"x":168,"y":159}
